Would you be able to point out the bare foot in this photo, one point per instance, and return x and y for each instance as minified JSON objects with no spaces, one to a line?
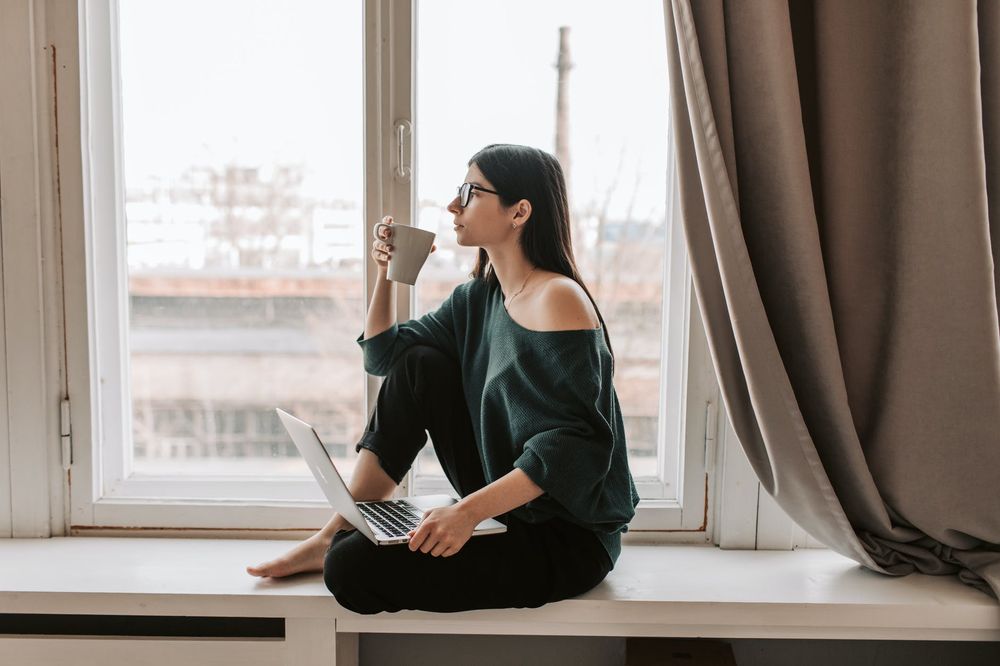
{"x":307,"y":556}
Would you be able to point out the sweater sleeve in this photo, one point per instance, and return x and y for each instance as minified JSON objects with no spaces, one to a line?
{"x":436,"y":329}
{"x":570,"y":457}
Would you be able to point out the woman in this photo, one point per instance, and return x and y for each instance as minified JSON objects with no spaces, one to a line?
{"x":512,"y":377}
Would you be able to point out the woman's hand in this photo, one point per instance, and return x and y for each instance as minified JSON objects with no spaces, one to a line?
{"x":443,"y":531}
{"x":382,"y":249}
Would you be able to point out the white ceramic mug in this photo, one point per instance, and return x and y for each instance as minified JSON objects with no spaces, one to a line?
{"x":410,"y":248}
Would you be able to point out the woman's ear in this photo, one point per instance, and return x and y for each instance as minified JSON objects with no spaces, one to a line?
{"x":523,"y":211}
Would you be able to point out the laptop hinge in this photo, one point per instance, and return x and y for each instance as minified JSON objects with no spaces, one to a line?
{"x":65,"y":434}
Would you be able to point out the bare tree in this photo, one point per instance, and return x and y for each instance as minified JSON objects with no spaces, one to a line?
{"x":609,"y":261}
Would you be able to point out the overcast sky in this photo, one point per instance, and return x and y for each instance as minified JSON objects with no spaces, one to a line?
{"x":258,"y":82}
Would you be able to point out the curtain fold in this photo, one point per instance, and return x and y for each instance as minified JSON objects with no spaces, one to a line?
{"x":839,"y":177}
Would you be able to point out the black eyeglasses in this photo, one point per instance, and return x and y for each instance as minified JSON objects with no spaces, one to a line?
{"x":465,"y":192}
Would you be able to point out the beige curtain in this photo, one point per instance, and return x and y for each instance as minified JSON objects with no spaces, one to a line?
{"x":840,"y":184}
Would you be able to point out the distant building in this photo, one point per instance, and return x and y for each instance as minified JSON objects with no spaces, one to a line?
{"x":244,"y":297}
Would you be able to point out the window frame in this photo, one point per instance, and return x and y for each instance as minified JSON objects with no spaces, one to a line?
{"x":689,"y":399}
{"x":30,"y":337}
{"x":689,"y":394}
{"x":108,"y":500}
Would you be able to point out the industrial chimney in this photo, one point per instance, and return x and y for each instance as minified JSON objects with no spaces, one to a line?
{"x":563,"y":65}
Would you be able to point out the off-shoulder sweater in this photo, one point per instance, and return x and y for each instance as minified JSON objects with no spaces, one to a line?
{"x":541,"y":401}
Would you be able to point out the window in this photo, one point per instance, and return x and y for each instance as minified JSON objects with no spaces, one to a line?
{"x":230,"y":188}
{"x":562,"y":89}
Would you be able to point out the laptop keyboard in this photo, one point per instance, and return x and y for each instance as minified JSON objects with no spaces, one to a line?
{"x":393,"y":518}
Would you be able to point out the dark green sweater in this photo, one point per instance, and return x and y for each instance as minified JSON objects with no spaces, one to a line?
{"x":542,"y":401}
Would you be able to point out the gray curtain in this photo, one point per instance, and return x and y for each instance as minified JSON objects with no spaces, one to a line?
{"x":839,"y":165}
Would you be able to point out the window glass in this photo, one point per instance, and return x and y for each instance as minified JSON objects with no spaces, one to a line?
{"x":242,"y":144}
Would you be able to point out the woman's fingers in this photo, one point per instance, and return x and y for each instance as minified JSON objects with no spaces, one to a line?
{"x":418,"y":535}
{"x":381,"y":250}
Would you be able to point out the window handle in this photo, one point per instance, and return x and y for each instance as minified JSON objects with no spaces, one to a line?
{"x":403,"y":129}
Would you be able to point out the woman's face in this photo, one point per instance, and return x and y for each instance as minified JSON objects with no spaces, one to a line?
{"x":484,"y":222}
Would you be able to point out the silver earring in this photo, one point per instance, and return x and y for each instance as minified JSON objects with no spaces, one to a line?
{"x":513,"y":226}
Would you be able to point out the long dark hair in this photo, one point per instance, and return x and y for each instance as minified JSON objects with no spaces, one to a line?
{"x":521,"y":172}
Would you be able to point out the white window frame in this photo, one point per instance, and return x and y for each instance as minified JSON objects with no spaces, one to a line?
{"x":30,"y":339}
{"x":689,"y":400}
{"x":690,"y":397}
{"x":105,"y":499}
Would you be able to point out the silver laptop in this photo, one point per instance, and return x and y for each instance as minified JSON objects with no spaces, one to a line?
{"x":384,"y":522}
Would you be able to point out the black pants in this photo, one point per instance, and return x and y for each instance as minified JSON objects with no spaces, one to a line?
{"x":525,"y":567}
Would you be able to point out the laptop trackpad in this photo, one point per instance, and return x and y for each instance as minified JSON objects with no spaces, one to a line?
{"x":425,"y":502}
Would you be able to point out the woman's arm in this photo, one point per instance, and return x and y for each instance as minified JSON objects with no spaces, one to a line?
{"x":381,"y":311}
{"x":506,"y":493}
{"x":443,"y":531}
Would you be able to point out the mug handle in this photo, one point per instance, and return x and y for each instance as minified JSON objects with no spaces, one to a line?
{"x":375,"y":229}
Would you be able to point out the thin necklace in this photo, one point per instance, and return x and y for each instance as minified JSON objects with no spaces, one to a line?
{"x":523,"y":284}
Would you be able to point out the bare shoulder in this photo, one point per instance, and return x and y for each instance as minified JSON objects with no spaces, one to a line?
{"x":565,"y":306}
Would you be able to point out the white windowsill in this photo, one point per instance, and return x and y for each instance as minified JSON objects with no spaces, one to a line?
{"x":655,"y":590}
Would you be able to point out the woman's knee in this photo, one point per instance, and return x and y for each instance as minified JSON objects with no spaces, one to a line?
{"x":346,"y":570}
{"x":424,"y":362}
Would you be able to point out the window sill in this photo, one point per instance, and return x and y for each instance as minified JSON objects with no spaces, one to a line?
{"x":655,"y":590}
